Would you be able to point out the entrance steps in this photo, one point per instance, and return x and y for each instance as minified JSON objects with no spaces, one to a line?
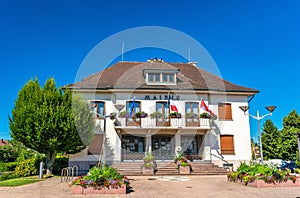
{"x":207,"y":168}
{"x":129,"y":168}
{"x":169,"y":168}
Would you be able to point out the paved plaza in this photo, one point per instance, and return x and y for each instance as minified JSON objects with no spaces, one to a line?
{"x":155,"y":186}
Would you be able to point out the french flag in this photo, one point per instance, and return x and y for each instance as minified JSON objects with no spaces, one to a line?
{"x":172,"y":104}
{"x":204,"y":107}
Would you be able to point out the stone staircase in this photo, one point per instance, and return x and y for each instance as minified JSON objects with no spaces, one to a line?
{"x":166,"y":168}
{"x":129,"y":168}
{"x":207,"y":168}
{"x":169,"y":168}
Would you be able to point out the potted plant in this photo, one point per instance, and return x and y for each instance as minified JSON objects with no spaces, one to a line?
{"x":124,"y":114}
{"x":141,"y":114}
{"x":183,"y":166}
{"x":148,"y":167}
{"x":205,"y":115}
{"x":156,"y":114}
{"x":175,"y":115}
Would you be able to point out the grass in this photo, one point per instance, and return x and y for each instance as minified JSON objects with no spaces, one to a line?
{"x":20,"y":181}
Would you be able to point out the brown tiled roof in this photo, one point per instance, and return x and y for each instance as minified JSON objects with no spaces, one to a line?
{"x":129,"y":75}
{"x":4,"y":142}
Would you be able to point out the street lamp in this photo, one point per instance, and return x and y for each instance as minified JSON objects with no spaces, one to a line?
{"x":119,"y":108}
{"x":298,"y":141}
{"x":258,"y":118}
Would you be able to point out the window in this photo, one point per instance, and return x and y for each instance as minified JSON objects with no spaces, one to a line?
{"x":163,"y":109}
{"x":98,"y":108}
{"x":136,"y":107}
{"x":227,"y":146}
{"x":95,"y":146}
{"x":192,"y":107}
{"x":224,"y":111}
{"x":155,"y":76}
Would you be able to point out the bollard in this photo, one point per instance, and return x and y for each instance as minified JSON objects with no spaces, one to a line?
{"x":41,"y":170}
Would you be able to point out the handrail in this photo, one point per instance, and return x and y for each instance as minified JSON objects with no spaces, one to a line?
{"x":220,"y":158}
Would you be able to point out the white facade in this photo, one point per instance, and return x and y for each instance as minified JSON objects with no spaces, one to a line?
{"x":210,"y":146}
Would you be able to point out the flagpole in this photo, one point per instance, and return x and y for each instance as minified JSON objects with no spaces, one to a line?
{"x":169,"y":109}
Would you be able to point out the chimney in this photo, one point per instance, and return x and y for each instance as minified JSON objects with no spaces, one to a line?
{"x":193,"y":63}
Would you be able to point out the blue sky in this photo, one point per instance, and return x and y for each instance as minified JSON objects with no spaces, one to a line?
{"x":254,"y":43}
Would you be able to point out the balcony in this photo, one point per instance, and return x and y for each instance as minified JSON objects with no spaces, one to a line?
{"x":172,"y":123}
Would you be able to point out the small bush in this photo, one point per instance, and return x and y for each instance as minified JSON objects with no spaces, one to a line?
{"x":9,"y":166}
{"x":28,"y":167}
{"x":59,"y":164}
{"x":8,"y":176}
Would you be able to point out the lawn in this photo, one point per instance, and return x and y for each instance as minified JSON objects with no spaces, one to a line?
{"x":20,"y":181}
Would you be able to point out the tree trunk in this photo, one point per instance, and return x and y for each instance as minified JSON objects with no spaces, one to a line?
{"x":50,"y":161}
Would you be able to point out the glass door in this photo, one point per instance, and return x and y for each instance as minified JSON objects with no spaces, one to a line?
{"x":192,"y":114}
{"x":163,"y":147}
{"x":162,"y":107}
{"x":190,"y":145}
{"x":133,"y":147}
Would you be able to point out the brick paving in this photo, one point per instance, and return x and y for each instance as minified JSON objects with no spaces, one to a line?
{"x":153,"y":186}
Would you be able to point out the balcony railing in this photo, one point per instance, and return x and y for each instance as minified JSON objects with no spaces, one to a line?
{"x":171,"y":123}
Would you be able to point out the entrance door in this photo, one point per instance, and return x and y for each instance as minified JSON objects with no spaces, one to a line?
{"x":190,"y":146}
{"x":133,"y":147}
{"x":163,"y":147}
{"x":162,"y":107}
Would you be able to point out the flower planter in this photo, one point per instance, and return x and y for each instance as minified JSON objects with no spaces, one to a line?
{"x":77,"y":190}
{"x":99,"y":190}
{"x":184,"y":170}
{"x":263,"y":184}
{"x":148,"y":171}
{"x":87,"y":190}
{"x":115,"y":190}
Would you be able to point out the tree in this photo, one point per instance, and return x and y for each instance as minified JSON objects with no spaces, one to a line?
{"x":270,"y":140}
{"x":288,"y":141}
{"x":50,"y":120}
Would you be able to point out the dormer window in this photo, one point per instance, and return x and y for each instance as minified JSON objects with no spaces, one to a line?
{"x":160,"y":77}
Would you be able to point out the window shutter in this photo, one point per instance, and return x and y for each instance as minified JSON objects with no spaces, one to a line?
{"x":224,"y":111}
{"x":227,"y":146}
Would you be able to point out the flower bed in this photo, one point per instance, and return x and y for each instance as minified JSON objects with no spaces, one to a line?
{"x":77,"y":190}
{"x":100,"y":181}
{"x":262,"y":176}
{"x":263,"y":184}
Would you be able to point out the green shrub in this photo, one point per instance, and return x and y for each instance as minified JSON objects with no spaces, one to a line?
{"x":28,"y":167}
{"x":8,"y":154}
{"x":8,"y":176}
{"x":9,"y":166}
{"x":59,"y":164}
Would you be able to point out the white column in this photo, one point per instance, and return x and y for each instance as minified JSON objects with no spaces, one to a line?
{"x":148,"y":141}
{"x":178,"y":141}
{"x":118,"y":147}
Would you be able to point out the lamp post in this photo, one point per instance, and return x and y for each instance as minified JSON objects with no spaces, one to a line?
{"x":119,"y":108}
{"x":298,"y":141}
{"x":258,"y":118}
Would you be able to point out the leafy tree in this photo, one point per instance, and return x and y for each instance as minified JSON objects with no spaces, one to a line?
{"x":288,"y":141}
{"x":270,"y":140}
{"x":47,"y":119}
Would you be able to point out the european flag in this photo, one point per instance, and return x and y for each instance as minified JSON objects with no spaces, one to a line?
{"x":131,"y":107}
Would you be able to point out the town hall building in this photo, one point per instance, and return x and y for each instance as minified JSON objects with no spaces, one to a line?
{"x":132,"y":106}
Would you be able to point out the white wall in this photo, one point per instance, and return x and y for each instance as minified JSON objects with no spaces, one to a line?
{"x":239,"y":126}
